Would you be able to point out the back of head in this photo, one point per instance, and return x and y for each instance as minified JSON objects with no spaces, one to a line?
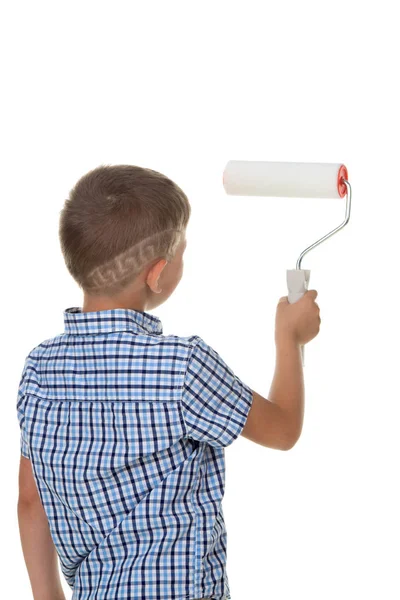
{"x":117,"y":220}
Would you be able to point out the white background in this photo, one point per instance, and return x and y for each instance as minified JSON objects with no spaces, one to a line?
{"x":183,"y":87}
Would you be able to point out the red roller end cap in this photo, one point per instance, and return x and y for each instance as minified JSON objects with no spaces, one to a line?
{"x":341,"y":186}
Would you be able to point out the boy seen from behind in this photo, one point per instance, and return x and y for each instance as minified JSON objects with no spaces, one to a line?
{"x":123,"y":428}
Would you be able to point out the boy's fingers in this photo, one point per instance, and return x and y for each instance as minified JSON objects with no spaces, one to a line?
{"x":311,"y":293}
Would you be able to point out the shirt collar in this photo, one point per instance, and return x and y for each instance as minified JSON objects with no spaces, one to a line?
{"x":107,"y":321}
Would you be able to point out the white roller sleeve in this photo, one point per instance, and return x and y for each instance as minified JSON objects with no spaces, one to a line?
{"x":297,"y":284}
{"x":286,"y":179}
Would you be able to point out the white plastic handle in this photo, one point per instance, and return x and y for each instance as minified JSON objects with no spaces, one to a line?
{"x":297,"y":283}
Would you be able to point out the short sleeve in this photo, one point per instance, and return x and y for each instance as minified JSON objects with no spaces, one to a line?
{"x":21,"y":412}
{"x":215,"y":402}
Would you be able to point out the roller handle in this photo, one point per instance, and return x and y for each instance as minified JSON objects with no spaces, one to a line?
{"x":297,"y":283}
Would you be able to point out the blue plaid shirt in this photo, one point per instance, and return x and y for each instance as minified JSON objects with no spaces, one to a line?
{"x":126,"y":429}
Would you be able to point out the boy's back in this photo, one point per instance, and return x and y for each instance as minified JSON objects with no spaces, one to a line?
{"x":125,"y":429}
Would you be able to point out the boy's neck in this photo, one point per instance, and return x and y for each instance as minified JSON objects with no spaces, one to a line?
{"x":91,"y":304}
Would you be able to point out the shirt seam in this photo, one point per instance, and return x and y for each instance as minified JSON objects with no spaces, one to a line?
{"x":181,"y":387}
{"x":104,"y":401}
{"x":196,"y":581}
{"x":197,"y":541}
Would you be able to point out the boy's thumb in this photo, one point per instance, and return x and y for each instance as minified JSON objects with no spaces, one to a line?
{"x":312,"y":293}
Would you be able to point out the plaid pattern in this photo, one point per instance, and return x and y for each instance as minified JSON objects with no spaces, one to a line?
{"x":126,"y":429}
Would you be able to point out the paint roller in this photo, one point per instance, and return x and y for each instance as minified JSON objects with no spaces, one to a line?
{"x":291,"y":180}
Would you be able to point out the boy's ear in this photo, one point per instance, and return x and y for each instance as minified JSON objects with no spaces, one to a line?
{"x":154,"y":274}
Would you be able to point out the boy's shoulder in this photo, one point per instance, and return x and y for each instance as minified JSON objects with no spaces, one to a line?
{"x":189,"y":340}
{"x":194,"y":344}
{"x":37,"y":350}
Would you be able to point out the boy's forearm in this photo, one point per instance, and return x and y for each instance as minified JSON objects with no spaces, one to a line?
{"x":287,"y":388}
{"x":39,"y":552}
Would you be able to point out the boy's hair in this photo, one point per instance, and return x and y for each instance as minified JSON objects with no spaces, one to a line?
{"x":117,"y":220}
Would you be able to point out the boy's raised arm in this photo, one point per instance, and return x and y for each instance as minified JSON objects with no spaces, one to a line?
{"x":277,"y":422}
{"x":38,"y":548}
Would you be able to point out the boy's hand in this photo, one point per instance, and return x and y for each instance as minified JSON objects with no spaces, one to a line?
{"x":298,"y":322}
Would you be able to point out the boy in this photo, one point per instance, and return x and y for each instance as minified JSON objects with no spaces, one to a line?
{"x":123,"y":429}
